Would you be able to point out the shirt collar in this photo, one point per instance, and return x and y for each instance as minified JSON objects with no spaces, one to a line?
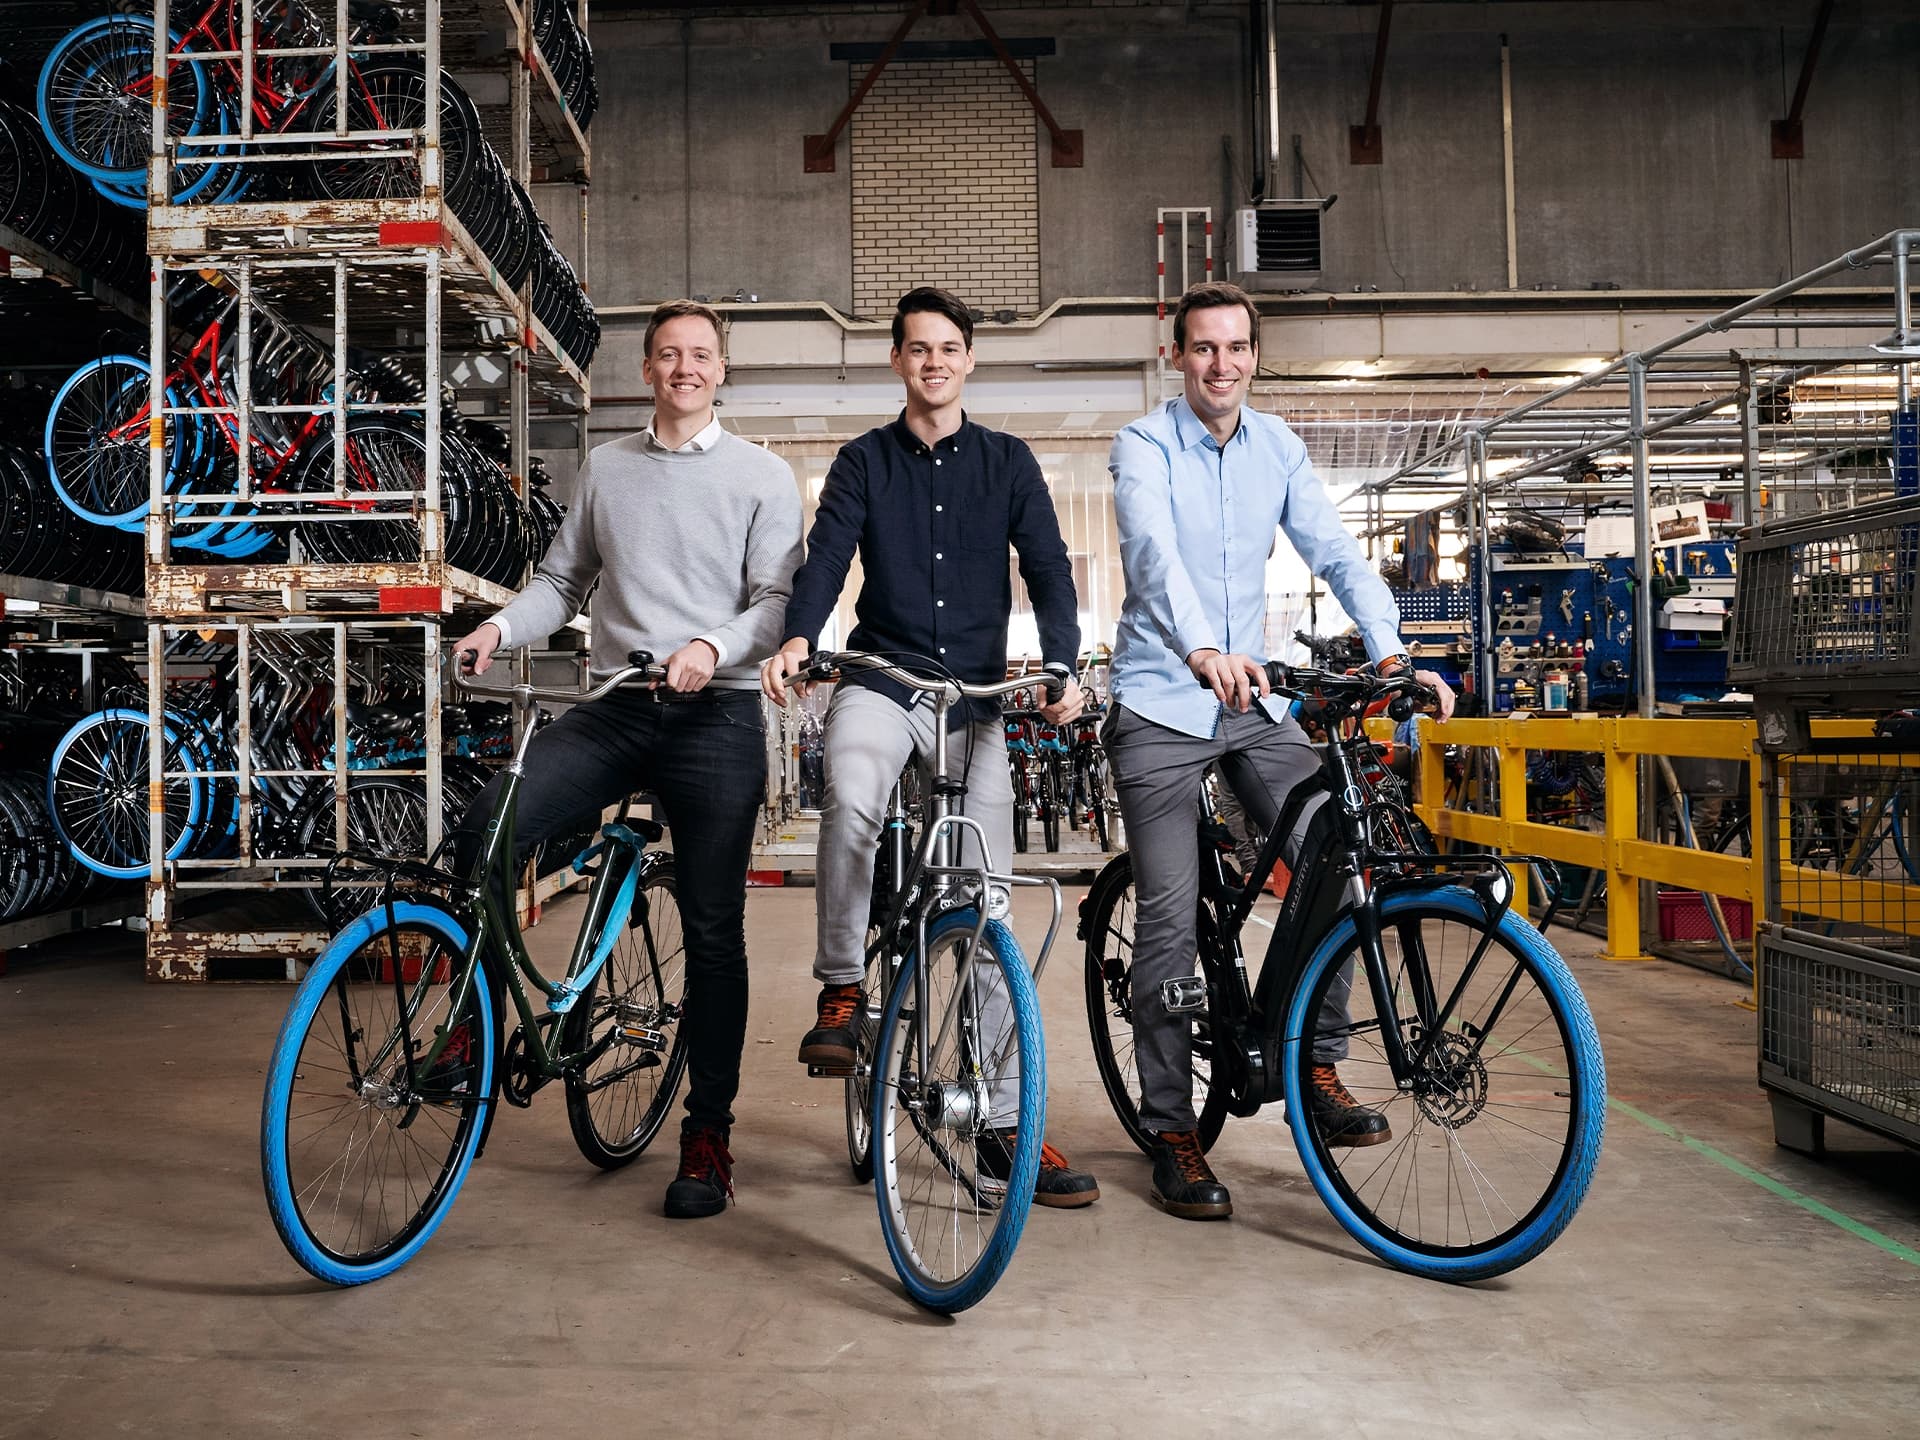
{"x":912,"y":443}
{"x":699,"y":444}
{"x":1191,"y":431}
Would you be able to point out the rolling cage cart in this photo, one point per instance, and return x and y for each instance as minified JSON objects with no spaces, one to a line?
{"x":349,"y":201}
{"x":1828,"y":621}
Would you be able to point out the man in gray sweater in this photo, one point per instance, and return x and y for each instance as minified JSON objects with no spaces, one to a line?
{"x":692,"y":535}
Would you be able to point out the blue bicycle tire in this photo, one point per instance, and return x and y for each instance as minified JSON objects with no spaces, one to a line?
{"x":1585,"y":1078}
{"x":971,"y":1285}
{"x":323,"y":980}
{"x":132,"y":32}
{"x":129,"y":861}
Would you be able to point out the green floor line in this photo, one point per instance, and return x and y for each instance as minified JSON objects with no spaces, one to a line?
{"x":1747,"y":1172}
{"x":1767,"y":1182}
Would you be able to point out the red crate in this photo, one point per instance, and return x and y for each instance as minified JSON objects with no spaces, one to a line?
{"x":1683,"y":916}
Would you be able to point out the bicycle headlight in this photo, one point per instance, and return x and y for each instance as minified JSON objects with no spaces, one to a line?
{"x":999,"y":902}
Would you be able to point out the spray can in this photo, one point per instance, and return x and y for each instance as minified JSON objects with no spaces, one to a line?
{"x":1580,"y":690}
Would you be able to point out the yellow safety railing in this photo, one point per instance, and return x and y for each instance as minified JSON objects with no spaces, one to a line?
{"x":1618,"y":849}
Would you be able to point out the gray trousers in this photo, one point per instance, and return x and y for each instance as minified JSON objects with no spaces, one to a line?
{"x":1157,"y":772}
{"x":868,"y":740}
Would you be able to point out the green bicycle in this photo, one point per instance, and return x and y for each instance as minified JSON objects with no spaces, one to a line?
{"x":390,"y":1064}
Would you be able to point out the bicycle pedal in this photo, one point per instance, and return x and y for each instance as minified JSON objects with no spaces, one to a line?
{"x":1183,"y":994}
{"x":832,"y":1072}
{"x":643,"y":1036}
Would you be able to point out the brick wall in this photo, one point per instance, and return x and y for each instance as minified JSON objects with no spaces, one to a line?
{"x":945,"y":183}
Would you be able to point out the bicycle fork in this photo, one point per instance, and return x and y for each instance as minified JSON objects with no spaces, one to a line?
{"x":1363,"y":903}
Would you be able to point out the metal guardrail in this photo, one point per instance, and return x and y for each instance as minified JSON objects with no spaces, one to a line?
{"x":1621,"y":851}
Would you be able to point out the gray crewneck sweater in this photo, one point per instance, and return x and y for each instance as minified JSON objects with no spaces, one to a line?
{"x":685,"y":543}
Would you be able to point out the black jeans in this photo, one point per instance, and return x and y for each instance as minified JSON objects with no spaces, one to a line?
{"x":705,"y":760}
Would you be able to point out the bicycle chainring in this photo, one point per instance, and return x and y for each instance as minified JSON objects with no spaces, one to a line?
{"x":519,"y":1080}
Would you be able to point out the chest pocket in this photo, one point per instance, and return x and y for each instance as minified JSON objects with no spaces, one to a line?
{"x":983,"y":521}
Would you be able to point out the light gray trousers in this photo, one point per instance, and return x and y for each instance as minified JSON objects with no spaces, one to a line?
{"x":1157,"y":773}
{"x":868,"y":740}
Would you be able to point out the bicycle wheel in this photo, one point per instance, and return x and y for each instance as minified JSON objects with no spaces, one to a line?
{"x":1022,"y":806}
{"x":1095,"y":782}
{"x":1901,"y":821}
{"x":95,"y":97}
{"x":1107,"y":926}
{"x":860,"y":1083}
{"x":942,"y":1080}
{"x":361,"y":1154}
{"x":629,"y":1020}
{"x":98,"y":793}
{"x":1494,"y":1143}
{"x":97,"y":438}
{"x":1052,"y":798}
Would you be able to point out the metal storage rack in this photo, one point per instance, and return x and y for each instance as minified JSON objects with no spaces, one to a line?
{"x":403,"y":268}
{"x":37,"y":278}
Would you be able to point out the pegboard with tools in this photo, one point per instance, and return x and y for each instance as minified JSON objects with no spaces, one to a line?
{"x":1562,"y":627}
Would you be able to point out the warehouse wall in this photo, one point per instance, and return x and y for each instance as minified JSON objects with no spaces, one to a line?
{"x":1642,"y":157}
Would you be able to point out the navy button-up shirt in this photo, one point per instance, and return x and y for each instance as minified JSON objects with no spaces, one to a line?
{"x":931,"y":526}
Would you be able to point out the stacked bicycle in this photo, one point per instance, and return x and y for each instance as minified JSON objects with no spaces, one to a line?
{"x":316,"y":129}
{"x":98,"y":429}
{"x":1460,"y":1026}
{"x":97,"y":779}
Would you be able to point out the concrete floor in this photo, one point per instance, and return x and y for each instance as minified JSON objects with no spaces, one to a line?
{"x":143,"y":1291}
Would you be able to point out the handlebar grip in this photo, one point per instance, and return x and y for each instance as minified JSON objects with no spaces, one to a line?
{"x":465,"y":660}
{"x":1053,"y":680}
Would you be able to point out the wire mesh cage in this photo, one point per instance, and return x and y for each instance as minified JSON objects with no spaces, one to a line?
{"x":1840,"y":1031}
{"x":1825,"y":616}
{"x":1840,"y":964}
{"x":1845,"y":862}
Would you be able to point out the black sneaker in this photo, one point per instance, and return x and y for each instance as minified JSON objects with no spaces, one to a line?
{"x":1183,"y":1182}
{"x":705,"y":1182}
{"x":1341,"y":1119}
{"x":1058,"y":1184}
{"x":832,"y":1046}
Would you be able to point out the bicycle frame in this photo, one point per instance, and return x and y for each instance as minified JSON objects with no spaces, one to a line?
{"x":493,"y":924}
{"x":936,"y":882}
{"x":1255,"y":1012}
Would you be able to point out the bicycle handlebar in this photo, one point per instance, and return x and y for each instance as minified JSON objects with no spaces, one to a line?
{"x":1361,"y":686}
{"x":639,"y":666}
{"x":828,"y":665}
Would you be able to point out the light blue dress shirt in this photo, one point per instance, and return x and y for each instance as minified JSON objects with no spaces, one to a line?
{"x":1197,"y":523}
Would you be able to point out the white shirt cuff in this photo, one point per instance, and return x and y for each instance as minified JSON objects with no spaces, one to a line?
{"x":506,"y":632}
{"x":719,"y":650}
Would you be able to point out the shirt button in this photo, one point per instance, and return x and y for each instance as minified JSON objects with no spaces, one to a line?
{"x":943,"y":649}
{"x":939,"y":604}
{"x":938,"y":508}
{"x":936,"y":462}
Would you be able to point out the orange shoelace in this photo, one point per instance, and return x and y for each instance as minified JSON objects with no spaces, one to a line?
{"x":1326,"y":1084}
{"x":837,"y":1009}
{"x":1188,"y":1155}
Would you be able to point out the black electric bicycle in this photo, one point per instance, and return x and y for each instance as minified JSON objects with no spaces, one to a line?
{"x":1463,"y":1028}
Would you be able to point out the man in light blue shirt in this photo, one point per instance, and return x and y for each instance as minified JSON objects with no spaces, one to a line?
{"x":1202,"y":488}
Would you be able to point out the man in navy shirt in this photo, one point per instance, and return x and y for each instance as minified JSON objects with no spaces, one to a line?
{"x":930,"y":503}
